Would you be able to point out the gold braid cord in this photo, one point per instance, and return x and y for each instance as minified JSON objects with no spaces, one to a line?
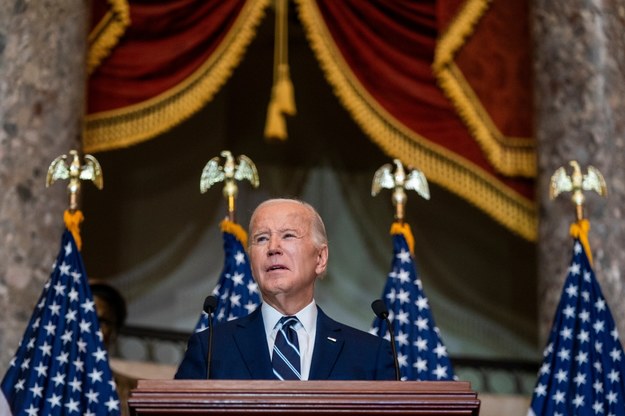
{"x":72,"y":220}
{"x":580,"y":230}
{"x":107,"y":33}
{"x":509,"y":156}
{"x":404,"y":229}
{"x":130,"y":125}
{"x":440,"y":165}
{"x":235,"y":229}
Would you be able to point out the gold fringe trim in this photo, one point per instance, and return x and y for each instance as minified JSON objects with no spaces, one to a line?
{"x":282,"y":98}
{"x":133,"y":124}
{"x":404,"y":229}
{"x":510,"y":156}
{"x":439,"y":164}
{"x":72,"y":222}
{"x":105,"y":36}
{"x":580,"y":230}
{"x":234,"y":229}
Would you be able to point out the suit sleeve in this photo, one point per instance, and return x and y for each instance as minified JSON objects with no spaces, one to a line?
{"x":385,"y":369}
{"x":193,"y":365}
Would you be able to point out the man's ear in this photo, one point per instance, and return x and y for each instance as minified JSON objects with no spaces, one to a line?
{"x":322,"y":260}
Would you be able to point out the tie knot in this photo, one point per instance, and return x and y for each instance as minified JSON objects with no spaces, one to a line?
{"x":287,"y":322}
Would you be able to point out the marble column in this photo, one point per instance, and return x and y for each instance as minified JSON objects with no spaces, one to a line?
{"x":579,"y":64}
{"x":42,"y":87}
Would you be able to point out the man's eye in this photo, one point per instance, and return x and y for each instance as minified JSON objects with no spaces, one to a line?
{"x":260,"y":239}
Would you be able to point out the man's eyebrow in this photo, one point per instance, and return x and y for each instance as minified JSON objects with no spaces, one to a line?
{"x":290,"y":229}
{"x":279,"y":231}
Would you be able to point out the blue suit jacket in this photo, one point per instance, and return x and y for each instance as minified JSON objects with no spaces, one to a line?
{"x":240,"y":352}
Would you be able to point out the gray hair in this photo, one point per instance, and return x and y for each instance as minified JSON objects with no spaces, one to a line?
{"x":319,"y":235}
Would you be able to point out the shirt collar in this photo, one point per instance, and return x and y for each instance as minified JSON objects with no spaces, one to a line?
{"x":306,"y":316}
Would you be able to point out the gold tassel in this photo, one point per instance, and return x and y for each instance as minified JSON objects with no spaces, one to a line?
{"x":284,"y":91}
{"x":275,"y":126}
{"x":580,"y":230}
{"x":404,"y":228}
{"x":234,"y":229}
{"x":282,"y":97}
{"x":72,"y":222}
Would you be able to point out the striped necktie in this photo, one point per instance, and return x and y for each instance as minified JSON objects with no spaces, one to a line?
{"x":286,"y":358}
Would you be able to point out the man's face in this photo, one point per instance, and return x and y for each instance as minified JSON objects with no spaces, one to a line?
{"x":107,"y":319}
{"x":283,"y":256}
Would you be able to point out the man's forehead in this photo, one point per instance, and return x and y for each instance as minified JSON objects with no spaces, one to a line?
{"x":279,"y":220}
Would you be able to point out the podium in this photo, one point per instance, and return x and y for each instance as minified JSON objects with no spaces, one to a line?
{"x":273,"y":397}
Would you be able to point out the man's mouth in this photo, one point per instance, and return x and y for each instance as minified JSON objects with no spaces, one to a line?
{"x":276,"y":267}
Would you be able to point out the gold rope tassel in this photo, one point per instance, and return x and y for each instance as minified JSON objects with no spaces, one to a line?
{"x":234,"y":229}
{"x":404,"y":228}
{"x":282,"y":98}
{"x":72,"y":222}
{"x":580,"y":230}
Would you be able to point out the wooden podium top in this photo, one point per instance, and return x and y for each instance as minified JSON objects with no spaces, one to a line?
{"x":265,"y":397}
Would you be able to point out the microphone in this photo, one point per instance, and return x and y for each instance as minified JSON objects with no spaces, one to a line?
{"x":210,"y":304}
{"x":380,"y":310}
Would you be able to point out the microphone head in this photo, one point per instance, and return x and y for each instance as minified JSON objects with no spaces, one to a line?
{"x":210,"y":304}
{"x":379,"y":308}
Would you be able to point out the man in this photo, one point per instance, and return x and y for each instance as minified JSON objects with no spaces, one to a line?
{"x":110,"y":306}
{"x":111,"y":310}
{"x":288,"y":251}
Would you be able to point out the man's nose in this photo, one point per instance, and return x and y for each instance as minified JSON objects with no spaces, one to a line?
{"x":274,"y":246}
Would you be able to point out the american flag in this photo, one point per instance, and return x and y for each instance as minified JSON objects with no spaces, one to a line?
{"x":420,"y":351}
{"x":61,"y":366}
{"x":236,"y":290}
{"x":583,"y":369}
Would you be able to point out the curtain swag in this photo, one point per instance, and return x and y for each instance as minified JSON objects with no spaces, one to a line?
{"x":406,"y":71}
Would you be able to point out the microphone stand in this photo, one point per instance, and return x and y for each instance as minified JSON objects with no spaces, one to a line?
{"x":210,"y":304}
{"x":380,"y":310}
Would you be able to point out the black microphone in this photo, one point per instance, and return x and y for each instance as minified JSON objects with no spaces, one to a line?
{"x":380,"y":310}
{"x":210,"y":304}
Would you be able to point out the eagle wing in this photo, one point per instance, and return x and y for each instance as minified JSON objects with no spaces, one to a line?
{"x":92,"y":171}
{"x":211,"y":174}
{"x":247,"y":170}
{"x":560,"y":182}
{"x":383,"y":178}
{"x":58,"y":170}
{"x":417,"y":181}
{"x":593,"y":181}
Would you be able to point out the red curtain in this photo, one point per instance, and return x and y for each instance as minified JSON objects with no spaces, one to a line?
{"x":443,"y":85}
{"x":393,"y":65}
{"x":169,"y":62}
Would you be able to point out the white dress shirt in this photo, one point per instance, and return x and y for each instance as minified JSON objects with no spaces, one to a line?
{"x":306,"y":330}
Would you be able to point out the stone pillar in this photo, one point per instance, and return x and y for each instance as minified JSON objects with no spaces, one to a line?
{"x":579,"y":63}
{"x":42,"y":87}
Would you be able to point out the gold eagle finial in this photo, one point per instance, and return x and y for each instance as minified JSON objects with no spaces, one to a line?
{"x":229,"y":173}
{"x":577,"y":183}
{"x":399,"y":182}
{"x":75,"y":172}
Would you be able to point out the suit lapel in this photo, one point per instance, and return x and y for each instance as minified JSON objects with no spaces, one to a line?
{"x":328,"y":345}
{"x":250,"y":339}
